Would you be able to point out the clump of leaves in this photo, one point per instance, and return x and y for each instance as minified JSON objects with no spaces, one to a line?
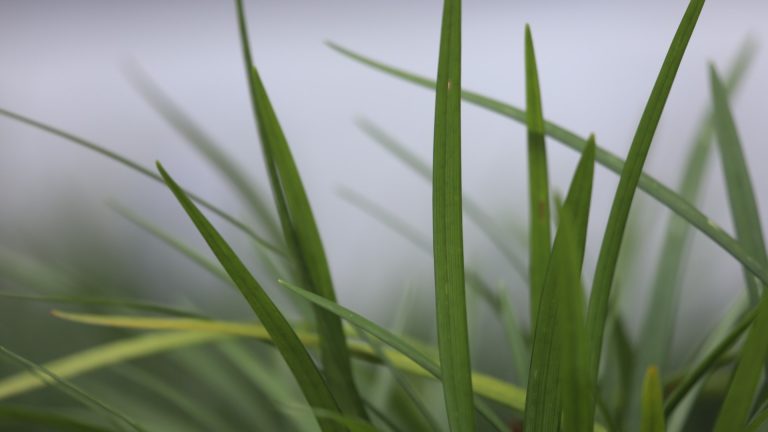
{"x":314,"y":376}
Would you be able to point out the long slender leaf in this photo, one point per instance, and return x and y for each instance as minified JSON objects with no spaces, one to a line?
{"x":658,"y":325}
{"x":452,"y":332}
{"x":284,"y":337}
{"x":261,"y":241}
{"x":741,"y":194}
{"x":203,"y":143}
{"x":301,"y":233}
{"x":630,"y":176}
{"x":734,"y":413}
{"x":103,"y":356}
{"x":406,"y":356}
{"x":653,"y":405}
{"x":538,"y":180}
{"x":574,"y":357}
{"x":650,"y":185}
{"x":563,"y":280}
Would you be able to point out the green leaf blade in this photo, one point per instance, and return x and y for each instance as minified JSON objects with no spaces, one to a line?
{"x":538,"y":179}
{"x":452,"y":329}
{"x":630,"y":176}
{"x":741,"y":196}
{"x":301,"y":233}
{"x":284,"y":337}
{"x":658,"y":327}
{"x":734,"y":413}
{"x":559,"y":379}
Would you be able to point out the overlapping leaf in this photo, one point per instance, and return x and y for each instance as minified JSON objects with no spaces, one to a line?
{"x":300,"y":233}
{"x":559,"y":376}
{"x":305,"y":371}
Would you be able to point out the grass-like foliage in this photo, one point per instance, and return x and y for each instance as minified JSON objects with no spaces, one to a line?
{"x":308,"y":363}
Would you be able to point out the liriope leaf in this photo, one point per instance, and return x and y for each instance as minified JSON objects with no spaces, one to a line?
{"x":300,"y":233}
{"x":657,"y":330}
{"x":538,"y":180}
{"x":630,"y":176}
{"x":452,"y":332}
{"x":557,"y":375}
{"x":302,"y":366}
{"x":735,"y":410}
{"x":741,"y":194}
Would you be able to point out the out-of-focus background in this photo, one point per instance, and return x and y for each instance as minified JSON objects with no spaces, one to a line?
{"x":65,"y":63}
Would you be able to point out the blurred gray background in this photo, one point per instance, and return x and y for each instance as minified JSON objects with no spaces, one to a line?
{"x":63,"y":62}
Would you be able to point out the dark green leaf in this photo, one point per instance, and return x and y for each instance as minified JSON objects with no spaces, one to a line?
{"x":734,"y":413}
{"x":538,"y":179}
{"x":630,"y":176}
{"x":452,"y":332}
{"x":296,"y":356}
{"x":559,"y":356}
{"x":658,"y":325}
{"x":300,"y":233}
{"x":741,"y":194}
